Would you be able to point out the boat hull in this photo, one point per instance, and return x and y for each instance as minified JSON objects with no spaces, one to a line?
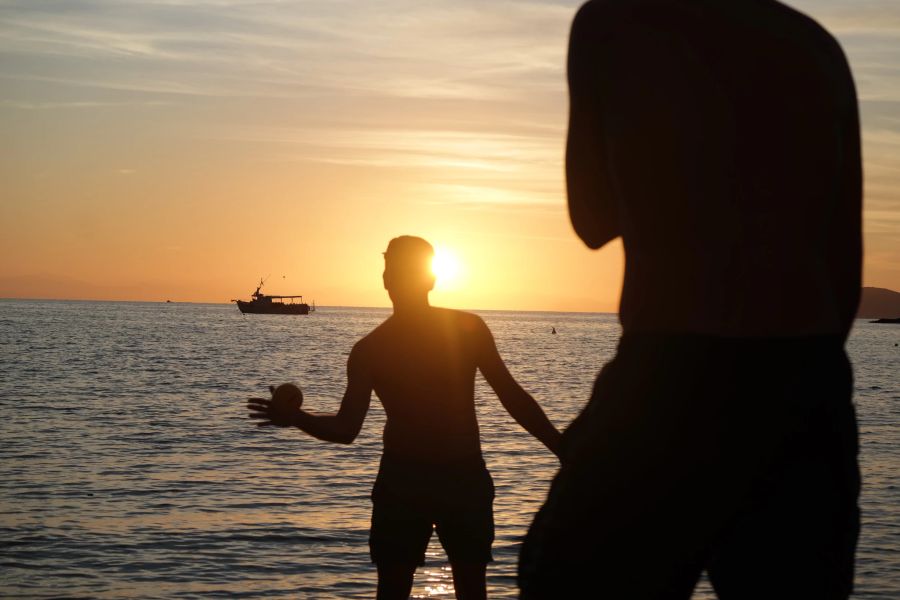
{"x":273,"y":308}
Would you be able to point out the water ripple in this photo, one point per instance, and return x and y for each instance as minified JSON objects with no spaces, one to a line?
{"x":128,"y":468}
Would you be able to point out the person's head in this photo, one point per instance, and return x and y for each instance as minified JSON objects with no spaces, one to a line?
{"x":407,"y":267}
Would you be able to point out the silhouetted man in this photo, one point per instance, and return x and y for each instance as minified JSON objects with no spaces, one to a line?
{"x":720,"y":140}
{"x":421,"y":363}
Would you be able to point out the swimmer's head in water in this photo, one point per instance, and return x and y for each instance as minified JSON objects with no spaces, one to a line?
{"x":407,"y":264}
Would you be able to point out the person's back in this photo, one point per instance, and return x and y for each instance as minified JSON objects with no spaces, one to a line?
{"x":423,"y":370}
{"x":730,"y":149}
{"x":720,"y":140}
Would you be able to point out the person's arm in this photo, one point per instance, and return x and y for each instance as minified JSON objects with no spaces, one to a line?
{"x":517,"y":402}
{"x":342,"y":427}
{"x":845,"y":243}
{"x":592,"y":206}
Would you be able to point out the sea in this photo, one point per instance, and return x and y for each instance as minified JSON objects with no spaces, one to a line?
{"x":130,"y":469}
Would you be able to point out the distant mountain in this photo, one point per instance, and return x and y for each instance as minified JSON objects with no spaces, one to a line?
{"x":879,"y":303}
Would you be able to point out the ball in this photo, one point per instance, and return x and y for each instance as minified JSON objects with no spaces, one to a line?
{"x":288,"y":393}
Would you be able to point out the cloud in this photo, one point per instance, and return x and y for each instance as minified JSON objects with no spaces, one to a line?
{"x":76,"y":104}
{"x":479,"y":196}
{"x":469,"y":88}
{"x":493,"y":149}
{"x":462,"y":166}
{"x":430,"y":49}
{"x":843,"y":17}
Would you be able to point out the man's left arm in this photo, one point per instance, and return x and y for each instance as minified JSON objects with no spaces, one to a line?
{"x":517,"y":402}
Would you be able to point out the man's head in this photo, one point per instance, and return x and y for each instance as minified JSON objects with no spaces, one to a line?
{"x":407,"y":266}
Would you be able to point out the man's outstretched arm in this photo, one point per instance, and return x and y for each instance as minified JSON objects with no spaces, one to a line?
{"x":342,"y":427}
{"x":517,"y":402}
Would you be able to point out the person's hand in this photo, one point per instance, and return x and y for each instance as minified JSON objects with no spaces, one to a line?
{"x":555,"y":446}
{"x":280,"y":410}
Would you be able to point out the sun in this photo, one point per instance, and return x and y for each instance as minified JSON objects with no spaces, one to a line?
{"x":445,"y":266}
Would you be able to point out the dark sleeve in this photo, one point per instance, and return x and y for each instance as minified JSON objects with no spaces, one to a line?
{"x":846,"y":223}
{"x":592,"y":207}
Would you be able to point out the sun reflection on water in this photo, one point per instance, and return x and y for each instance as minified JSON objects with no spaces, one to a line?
{"x":438,"y":582}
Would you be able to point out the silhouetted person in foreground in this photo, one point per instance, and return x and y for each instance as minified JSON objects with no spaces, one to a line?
{"x":720,"y":140}
{"x":421,"y":363}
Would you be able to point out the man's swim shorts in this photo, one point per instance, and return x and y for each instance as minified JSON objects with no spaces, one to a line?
{"x":411,"y":499}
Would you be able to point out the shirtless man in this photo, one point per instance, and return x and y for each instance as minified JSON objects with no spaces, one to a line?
{"x":720,"y":141}
{"x":421,"y":363}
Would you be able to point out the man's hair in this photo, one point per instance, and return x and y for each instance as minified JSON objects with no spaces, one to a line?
{"x":408,"y":259}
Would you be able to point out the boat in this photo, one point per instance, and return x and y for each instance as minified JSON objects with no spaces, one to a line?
{"x":264,"y":304}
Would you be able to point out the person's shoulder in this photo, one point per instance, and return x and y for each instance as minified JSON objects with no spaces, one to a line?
{"x":456,"y":314}
{"x":466,"y":321}
{"x":800,"y":24}
{"x":795,"y":17}
{"x":595,"y":8}
{"x":806,"y":35}
{"x":598,"y":21}
{"x":372,"y":340}
{"x":597,"y":13}
{"x":602,"y":11}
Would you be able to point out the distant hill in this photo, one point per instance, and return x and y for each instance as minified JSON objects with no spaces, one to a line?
{"x":879,"y":303}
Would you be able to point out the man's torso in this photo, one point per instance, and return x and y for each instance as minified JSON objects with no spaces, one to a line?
{"x":725,"y":133}
{"x":423,"y":371}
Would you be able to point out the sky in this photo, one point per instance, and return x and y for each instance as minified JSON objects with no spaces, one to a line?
{"x":182,"y":150}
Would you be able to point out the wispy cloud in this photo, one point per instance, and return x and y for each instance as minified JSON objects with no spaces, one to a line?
{"x":472,"y":89}
{"x":75,"y":104}
{"x":856,"y":16}
{"x":442,"y":49}
{"x":481,"y":149}
{"x":463,"y":166}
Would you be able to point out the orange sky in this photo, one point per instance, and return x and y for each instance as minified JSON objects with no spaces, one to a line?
{"x":181,"y":151}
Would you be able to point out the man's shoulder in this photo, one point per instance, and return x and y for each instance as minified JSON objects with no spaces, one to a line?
{"x":799,"y":23}
{"x":371,"y":340}
{"x":597,"y":12}
{"x":460,"y":318}
{"x":603,"y":11}
{"x":782,"y":24}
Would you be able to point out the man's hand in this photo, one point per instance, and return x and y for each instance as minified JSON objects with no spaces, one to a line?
{"x":280,"y":410}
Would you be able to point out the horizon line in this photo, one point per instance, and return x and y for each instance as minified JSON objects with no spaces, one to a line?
{"x":318,"y":306}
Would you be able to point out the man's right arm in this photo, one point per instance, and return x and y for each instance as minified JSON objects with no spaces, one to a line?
{"x":344,"y":426}
{"x":592,"y":206}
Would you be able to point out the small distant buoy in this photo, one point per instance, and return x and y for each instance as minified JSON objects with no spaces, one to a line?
{"x":553,"y":330}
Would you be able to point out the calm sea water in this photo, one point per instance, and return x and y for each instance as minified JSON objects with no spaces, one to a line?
{"x":128,"y":468}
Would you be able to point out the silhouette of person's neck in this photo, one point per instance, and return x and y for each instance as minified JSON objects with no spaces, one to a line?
{"x":409,"y":303}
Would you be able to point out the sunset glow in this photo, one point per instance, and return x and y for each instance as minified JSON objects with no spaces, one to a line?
{"x":178,"y":150}
{"x":446,"y":268}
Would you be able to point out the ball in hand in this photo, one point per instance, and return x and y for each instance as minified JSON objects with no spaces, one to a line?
{"x":288,"y":394}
